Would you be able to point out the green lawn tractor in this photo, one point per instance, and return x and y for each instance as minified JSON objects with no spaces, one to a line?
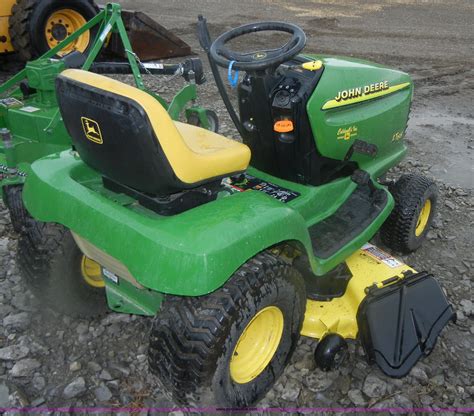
{"x":29,"y":108}
{"x":235,"y":248}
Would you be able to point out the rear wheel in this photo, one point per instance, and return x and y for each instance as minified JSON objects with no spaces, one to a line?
{"x":39,"y":25}
{"x":415,"y":204}
{"x":12,"y":195}
{"x":229,"y":347}
{"x":57,"y":272}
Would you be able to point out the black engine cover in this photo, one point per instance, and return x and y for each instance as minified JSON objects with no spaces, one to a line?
{"x":266,"y":99}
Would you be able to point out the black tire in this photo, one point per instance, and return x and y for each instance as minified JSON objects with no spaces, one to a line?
{"x":410,"y":193}
{"x":12,"y":195}
{"x":211,"y":116}
{"x":28,"y":22}
{"x":331,"y":352}
{"x":50,"y":264}
{"x":193,"y":339}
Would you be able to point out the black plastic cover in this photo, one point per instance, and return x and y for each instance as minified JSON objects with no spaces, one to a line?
{"x":399,"y":324}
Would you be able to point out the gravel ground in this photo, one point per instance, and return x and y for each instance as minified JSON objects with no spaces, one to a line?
{"x":50,"y":360}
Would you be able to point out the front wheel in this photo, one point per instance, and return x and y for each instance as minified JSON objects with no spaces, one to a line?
{"x":229,"y":347}
{"x":415,"y":204}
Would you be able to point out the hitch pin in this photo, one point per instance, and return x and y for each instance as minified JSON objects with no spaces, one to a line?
{"x":8,"y":146}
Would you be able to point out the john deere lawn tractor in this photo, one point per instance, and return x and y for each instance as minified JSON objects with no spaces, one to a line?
{"x":239,"y":248}
{"x":32,"y":27}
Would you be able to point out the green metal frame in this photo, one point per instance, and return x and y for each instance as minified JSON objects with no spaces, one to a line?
{"x":110,"y":21}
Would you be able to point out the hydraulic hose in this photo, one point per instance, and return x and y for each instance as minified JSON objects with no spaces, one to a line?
{"x":205,"y":41}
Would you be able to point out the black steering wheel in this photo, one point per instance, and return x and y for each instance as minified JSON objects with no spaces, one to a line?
{"x":257,"y":60}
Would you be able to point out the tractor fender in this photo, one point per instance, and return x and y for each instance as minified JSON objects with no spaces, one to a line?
{"x":188,"y":254}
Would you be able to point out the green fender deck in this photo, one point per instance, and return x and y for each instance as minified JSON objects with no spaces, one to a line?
{"x":192,"y":253}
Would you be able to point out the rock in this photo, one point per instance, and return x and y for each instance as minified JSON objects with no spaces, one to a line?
{"x":460,"y":316}
{"x":93,"y":366}
{"x":374,"y":387}
{"x":119,"y":369}
{"x":291,"y":392}
{"x":450,"y":205}
{"x":141,"y":358}
{"x":419,"y":374}
{"x":75,"y":366}
{"x":22,"y":301}
{"x":105,"y":375}
{"x":13,"y":352}
{"x":3,"y":245}
{"x":82,"y":328}
{"x":403,"y":401}
{"x":17,"y":397}
{"x":467,"y":306}
{"x":75,"y":388}
{"x":357,"y":397}
{"x":25,"y":367}
{"x":114,"y":318}
{"x":426,"y":400}
{"x":318,"y":380}
{"x":38,"y":382}
{"x":306,"y":362}
{"x":18,"y":321}
{"x":4,"y":395}
{"x":103,"y":393}
{"x":438,"y":380}
{"x":38,"y":402}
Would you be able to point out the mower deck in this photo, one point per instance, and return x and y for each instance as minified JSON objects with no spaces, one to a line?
{"x":395,"y":312}
{"x":368,"y":266}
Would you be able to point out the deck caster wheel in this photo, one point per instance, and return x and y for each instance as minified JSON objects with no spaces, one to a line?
{"x":331,"y":352}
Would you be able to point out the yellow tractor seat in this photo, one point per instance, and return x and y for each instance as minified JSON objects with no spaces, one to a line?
{"x":127,"y":135}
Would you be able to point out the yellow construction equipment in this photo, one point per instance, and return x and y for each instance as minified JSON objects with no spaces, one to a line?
{"x":31,"y":27}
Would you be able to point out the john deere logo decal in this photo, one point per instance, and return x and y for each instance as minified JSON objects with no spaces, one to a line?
{"x":347,"y":133}
{"x":365,"y":93}
{"x":259,"y":55}
{"x":92,"y":130}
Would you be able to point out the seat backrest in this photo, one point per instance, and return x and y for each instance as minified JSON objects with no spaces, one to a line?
{"x":109,"y":123}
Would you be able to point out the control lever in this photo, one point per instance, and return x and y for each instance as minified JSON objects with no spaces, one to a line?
{"x":361,"y":147}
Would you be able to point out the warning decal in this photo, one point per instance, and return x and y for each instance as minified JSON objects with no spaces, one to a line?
{"x":381,"y":256}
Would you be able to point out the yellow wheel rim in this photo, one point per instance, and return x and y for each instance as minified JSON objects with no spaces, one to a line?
{"x":91,"y":272}
{"x":423,"y":218}
{"x":257,"y":345}
{"x":63,"y":23}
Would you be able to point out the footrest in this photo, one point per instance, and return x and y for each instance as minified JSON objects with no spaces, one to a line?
{"x":399,"y":324}
{"x":352,"y":218}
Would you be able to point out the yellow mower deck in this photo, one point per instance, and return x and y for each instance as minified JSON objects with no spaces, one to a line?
{"x":369,"y":266}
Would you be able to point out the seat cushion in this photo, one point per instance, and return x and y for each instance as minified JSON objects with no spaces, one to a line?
{"x":195,"y":155}
{"x":221,"y":154}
